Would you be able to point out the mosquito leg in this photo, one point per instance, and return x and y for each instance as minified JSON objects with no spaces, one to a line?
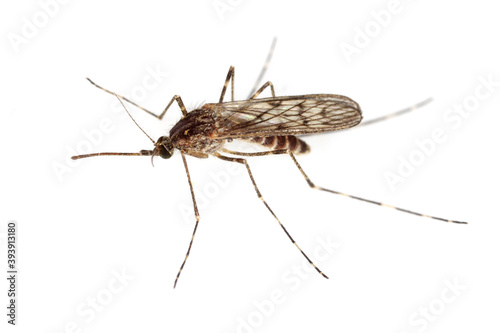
{"x":176,"y":98}
{"x":396,"y":114}
{"x":264,"y":86}
{"x":231,"y":73}
{"x":244,"y":162}
{"x":197,"y":215}
{"x":260,"y":153}
{"x":141,"y":153}
{"x":311,"y":184}
{"x":229,"y":77}
{"x":264,"y":69}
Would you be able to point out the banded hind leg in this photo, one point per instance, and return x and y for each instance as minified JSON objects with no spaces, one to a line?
{"x":231,"y":73}
{"x":312,"y":185}
{"x":230,"y":77}
{"x":245,"y":163}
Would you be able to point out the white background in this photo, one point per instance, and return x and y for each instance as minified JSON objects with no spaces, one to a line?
{"x":81,"y":225}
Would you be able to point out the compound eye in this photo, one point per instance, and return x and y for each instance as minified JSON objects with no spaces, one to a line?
{"x":164,"y":147}
{"x":164,"y":153}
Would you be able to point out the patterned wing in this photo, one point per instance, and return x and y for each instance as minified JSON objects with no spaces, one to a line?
{"x":288,"y":115}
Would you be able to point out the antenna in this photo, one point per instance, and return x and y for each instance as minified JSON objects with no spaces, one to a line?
{"x":141,"y":153}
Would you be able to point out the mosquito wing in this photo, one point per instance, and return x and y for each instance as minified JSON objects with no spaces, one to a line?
{"x":287,"y":115}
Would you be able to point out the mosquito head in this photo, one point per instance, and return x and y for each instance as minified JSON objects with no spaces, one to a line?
{"x":164,"y":147}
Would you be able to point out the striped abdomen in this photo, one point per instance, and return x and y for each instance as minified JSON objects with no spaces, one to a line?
{"x":294,"y":144}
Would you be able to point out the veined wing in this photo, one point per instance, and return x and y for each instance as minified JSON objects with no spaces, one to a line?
{"x":287,"y":115}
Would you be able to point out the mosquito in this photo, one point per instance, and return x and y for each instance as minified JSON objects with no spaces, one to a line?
{"x":273,"y":123}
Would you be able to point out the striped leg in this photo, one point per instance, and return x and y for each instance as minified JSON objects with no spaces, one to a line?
{"x":176,"y":98}
{"x":264,"y":86}
{"x":230,"y":77}
{"x":311,"y":184}
{"x":244,"y":162}
{"x":141,"y":153}
{"x":231,"y":73}
{"x":197,"y":215}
